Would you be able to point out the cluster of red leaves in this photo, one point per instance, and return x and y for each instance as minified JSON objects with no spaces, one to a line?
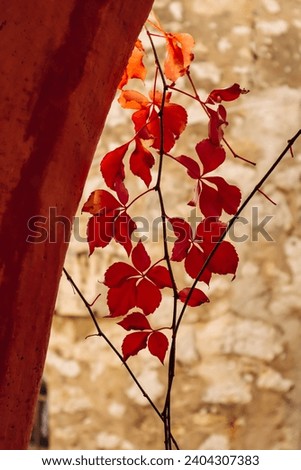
{"x":110,"y":220}
{"x":158,"y":123}
{"x":144,"y":335}
{"x":138,"y":285}
{"x":194,"y":248}
{"x":135,"y":285}
{"x":213,"y":194}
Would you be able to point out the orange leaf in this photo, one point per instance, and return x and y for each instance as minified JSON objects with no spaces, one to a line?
{"x":179,"y":55}
{"x":100,"y":200}
{"x":131,"y":99}
{"x":135,"y":67}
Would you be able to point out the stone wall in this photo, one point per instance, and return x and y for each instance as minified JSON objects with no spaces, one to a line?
{"x":238,"y":379}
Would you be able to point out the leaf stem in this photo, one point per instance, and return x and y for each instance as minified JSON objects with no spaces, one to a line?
{"x":138,"y":197}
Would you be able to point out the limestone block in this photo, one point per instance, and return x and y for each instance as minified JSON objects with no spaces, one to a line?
{"x":150,"y":381}
{"x":272,"y":380}
{"x":66,"y":368}
{"x":215,"y":442}
{"x":186,"y":345}
{"x":232,"y":335}
{"x":225,"y":384}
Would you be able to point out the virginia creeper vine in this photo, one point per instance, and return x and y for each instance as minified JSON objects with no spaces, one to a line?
{"x":134,"y":289}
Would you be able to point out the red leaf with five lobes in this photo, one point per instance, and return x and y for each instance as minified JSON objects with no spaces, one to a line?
{"x":179,"y":55}
{"x":158,"y":345}
{"x":117,"y":273}
{"x":141,"y":161}
{"x":135,"y":67}
{"x":123,"y":229}
{"x":121,"y":299}
{"x":135,"y":321}
{"x":194,"y":262}
{"x":100,"y":200}
{"x":193,"y":169}
{"x":140,"y":257}
{"x":148,"y":296}
{"x":160,"y":276}
{"x":100,"y":231}
{"x":226,"y":94}
{"x":183,"y":232}
{"x":229,"y":195}
{"x":133,"y":343}
{"x":225,"y":259}
{"x":211,"y":156}
{"x":112,"y":167}
{"x":197,"y":297}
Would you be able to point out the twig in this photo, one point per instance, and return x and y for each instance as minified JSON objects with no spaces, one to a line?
{"x":166,"y":414}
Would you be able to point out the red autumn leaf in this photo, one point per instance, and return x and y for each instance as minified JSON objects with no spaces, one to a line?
{"x":210,"y":202}
{"x":225,"y":259}
{"x":135,"y":321}
{"x":229,"y":195}
{"x":211,"y":156}
{"x":148,"y":296}
{"x":179,"y":55}
{"x":121,"y":299}
{"x":124,"y":226}
{"x":121,"y":191}
{"x":217,"y":120}
{"x":140,"y":257}
{"x":158,"y":345}
{"x":100,"y":231}
{"x":117,"y":273}
{"x":197,"y":297}
{"x":226,"y":94}
{"x":133,"y":343}
{"x":135,"y":67}
{"x":175,"y":118}
{"x":140,"y":119}
{"x":112,"y":169}
{"x":99,"y":201}
{"x":194,"y":262}
{"x":160,"y":276}
{"x":183,"y":232}
{"x":141,"y":161}
{"x":193,"y":169}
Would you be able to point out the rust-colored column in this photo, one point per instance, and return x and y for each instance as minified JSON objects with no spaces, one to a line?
{"x":60,"y":64}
